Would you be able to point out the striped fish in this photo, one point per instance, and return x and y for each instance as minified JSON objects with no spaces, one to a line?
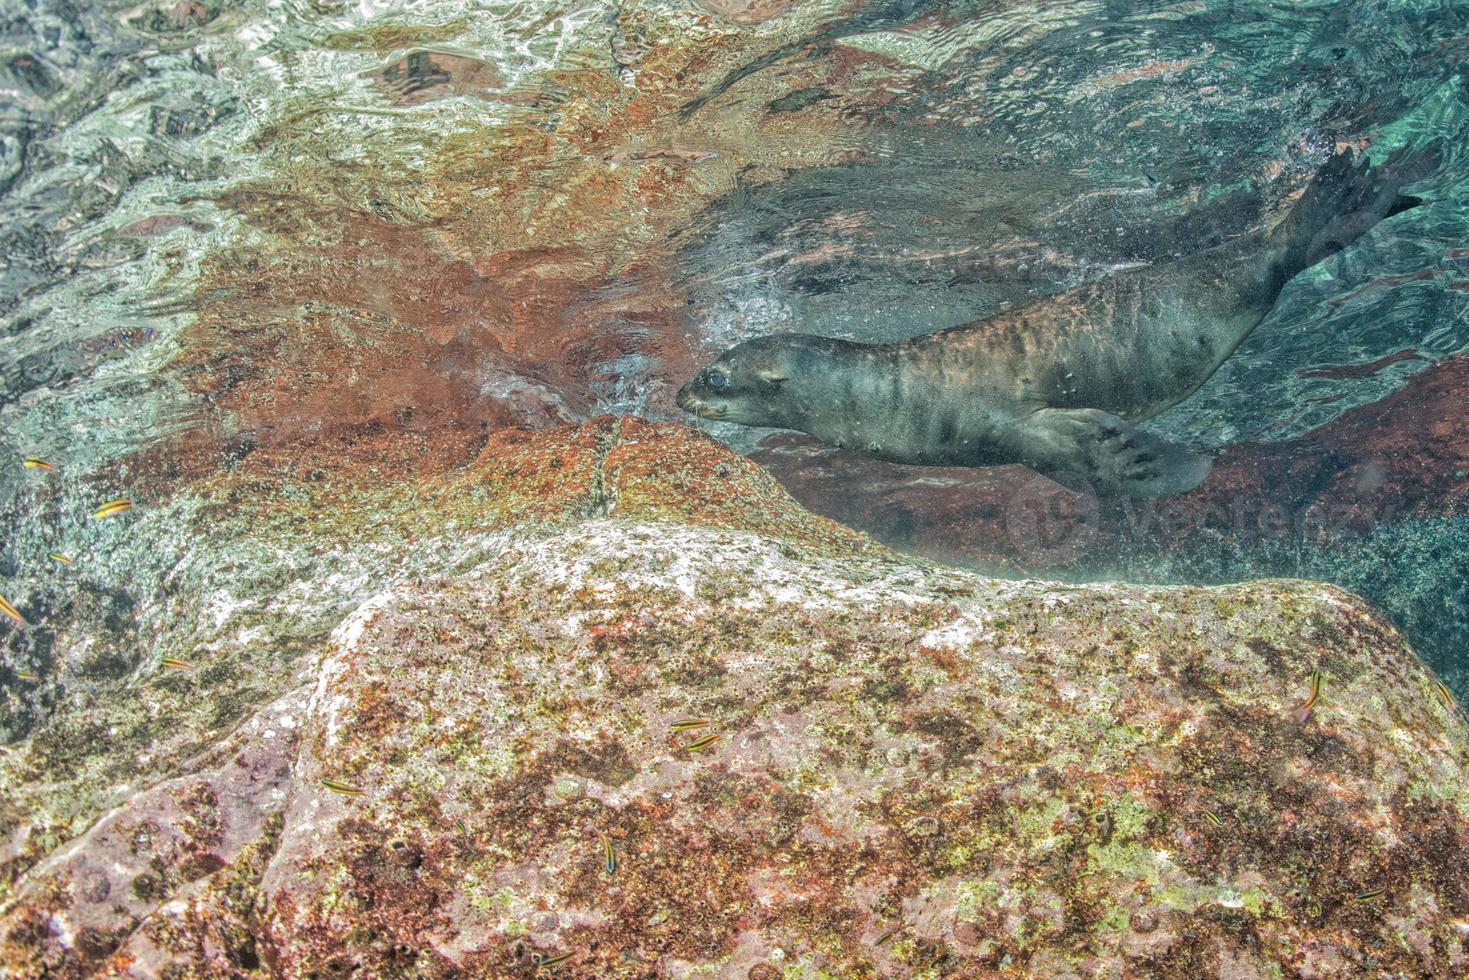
{"x":1446,"y":696}
{"x":112,"y":508}
{"x":12,"y":612}
{"x":346,"y":789}
{"x":889,"y":935}
{"x":1315,"y":683}
{"x":609,"y":856}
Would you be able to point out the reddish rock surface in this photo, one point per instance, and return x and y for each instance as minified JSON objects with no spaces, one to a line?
{"x":522,"y":273}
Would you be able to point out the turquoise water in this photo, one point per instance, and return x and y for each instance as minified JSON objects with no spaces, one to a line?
{"x":297,"y":227}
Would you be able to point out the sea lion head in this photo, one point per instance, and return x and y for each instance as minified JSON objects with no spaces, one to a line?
{"x":748,"y":384}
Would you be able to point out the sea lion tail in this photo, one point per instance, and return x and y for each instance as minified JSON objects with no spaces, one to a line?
{"x":1095,"y":452}
{"x":1343,"y":201}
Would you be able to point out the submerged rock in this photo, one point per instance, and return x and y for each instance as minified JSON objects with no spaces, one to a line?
{"x":916,"y":770}
{"x":1376,"y":500}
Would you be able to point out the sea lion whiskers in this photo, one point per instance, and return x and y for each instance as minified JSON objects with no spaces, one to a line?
{"x":711,"y":412}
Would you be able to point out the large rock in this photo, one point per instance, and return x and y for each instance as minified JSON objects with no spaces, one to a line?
{"x":917,"y":770}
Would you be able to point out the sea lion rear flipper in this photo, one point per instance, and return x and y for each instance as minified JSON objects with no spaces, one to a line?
{"x":1089,"y":450}
{"x":1345,"y":199}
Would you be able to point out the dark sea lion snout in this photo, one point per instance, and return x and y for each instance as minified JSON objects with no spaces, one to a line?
{"x":744,"y":384}
{"x":690,"y":401}
{"x":699,"y":397}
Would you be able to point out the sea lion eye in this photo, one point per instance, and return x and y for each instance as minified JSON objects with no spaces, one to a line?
{"x":716,"y":379}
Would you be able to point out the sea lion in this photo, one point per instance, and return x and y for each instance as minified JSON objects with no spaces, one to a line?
{"x":1056,"y":384}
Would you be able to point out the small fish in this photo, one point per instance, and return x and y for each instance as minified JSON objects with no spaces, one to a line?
{"x":1315,"y":681}
{"x":609,"y":856}
{"x":176,"y":663}
{"x":112,"y":508}
{"x":1213,"y":818}
{"x":37,"y":463}
{"x":59,"y":558}
{"x":1446,"y":696}
{"x":26,"y":675}
{"x":548,"y":962}
{"x":1371,"y":895}
{"x":702,"y":743}
{"x":346,"y":789}
{"x":689,"y":724}
{"x":888,"y":935}
{"x":12,"y":612}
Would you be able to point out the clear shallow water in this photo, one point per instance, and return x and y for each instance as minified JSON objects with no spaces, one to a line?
{"x":347,"y":238}
{"x":276,"y":271}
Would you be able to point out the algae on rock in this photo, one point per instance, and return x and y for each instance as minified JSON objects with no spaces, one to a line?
{"x":918,"y":770}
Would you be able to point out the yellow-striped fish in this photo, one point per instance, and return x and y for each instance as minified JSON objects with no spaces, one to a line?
{"x":26,"y":675}
{"x":1371,"y":895}
{"x":609,"y":856}
{"x":346,"y":789}
{"x":37,"y":463}
{"x":176,"y":663}
{"x":1213,"y":818}
{"x":112,"y":508}
{"x":551,"y":962}
{"x":12,"y":612}
{"x":689,"y":724}
{"x":1446,"y":696}
{"x":1315,"y":683}
{"x":703,"y":743}
{"x":59,"y":558}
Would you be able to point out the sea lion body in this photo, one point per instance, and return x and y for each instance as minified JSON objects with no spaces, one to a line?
{"x":1055,"y":384}
{"x":1131,"y":345}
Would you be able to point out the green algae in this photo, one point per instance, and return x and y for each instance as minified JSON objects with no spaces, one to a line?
{"x":975,"y":898}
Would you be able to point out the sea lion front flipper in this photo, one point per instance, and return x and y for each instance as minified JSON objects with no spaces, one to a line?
{"x":1089,"y":450}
